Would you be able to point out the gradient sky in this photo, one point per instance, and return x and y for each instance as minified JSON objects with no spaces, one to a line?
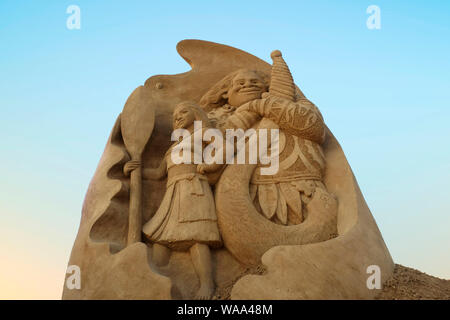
{"x":385,"y":94}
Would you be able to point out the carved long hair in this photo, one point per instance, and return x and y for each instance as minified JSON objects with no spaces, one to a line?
{"x":213,"y":98}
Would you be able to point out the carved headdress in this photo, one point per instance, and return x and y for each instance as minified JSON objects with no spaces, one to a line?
{"x":281,"y":83}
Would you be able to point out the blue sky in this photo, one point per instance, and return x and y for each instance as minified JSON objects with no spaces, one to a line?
{"x":384,"y":94}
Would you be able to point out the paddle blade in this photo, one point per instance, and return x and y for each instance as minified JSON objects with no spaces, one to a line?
{"x":137,"y":121}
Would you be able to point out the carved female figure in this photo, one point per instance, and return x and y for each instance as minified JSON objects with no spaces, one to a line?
{"x":186,"y":218}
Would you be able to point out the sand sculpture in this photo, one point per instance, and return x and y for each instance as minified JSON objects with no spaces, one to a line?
{"x":155,"y":228}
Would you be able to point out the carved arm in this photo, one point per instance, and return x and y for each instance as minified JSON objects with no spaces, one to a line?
{"x":300,"y":118}
{"x":155,"y":173}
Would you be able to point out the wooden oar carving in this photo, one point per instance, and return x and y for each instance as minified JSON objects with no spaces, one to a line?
{"x":137,"y":122}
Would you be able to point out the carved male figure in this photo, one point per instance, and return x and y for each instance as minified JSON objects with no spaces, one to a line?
{"x":239,"y":101}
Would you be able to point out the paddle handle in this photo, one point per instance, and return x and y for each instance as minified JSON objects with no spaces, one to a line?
{"x":135,"y":210}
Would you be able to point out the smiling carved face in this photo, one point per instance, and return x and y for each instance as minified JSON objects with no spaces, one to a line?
{"x":247,"y":85}
{"x":183,"y":117}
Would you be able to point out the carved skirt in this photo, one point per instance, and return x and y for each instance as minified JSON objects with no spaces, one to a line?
{"x":186,"y":216}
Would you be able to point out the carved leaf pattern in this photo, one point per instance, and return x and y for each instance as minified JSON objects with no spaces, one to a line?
{"x":292,"y":197}
{"x":281,"y":208}
{"x":268,"y":199}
